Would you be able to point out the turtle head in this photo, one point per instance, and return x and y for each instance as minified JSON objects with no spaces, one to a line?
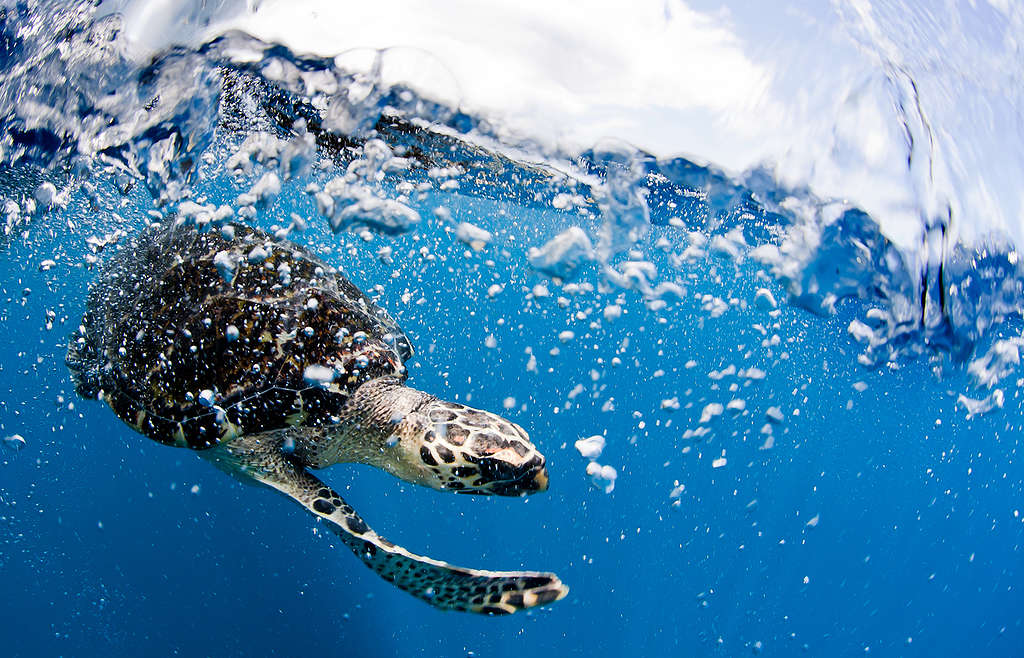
{"x":449,"y":446}
{"x":472,"y":451}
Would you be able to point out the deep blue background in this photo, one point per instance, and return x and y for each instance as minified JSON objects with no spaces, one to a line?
{"x":105,"y":548}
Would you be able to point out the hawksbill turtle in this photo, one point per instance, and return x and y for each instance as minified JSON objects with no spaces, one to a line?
{"x":269,"y":362}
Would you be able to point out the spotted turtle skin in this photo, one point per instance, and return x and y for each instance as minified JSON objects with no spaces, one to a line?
{"x":195,"y":338}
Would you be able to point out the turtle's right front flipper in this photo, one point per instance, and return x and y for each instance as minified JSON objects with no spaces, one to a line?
{"x":438,"y":583}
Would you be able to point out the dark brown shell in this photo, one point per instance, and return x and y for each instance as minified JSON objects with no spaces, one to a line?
{"x":157,"y":343}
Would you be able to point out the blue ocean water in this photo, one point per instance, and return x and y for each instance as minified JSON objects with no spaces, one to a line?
{"x":805,"y":462}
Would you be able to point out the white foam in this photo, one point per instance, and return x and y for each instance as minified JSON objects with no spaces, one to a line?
{"x":562,"y":254}
{"x":46,"y":195}
{"x":718,"y":375}
{"x":860,"y":332}
{"x":715,"y":306}
{"x":731,"y":245}
{"x":382,"y":214}
{"x":225,"y":263}
{"x":603,"y":477}
{"x":710,"y":411}
{"x":978,"y":407}
{"x":697,"y":433}
{"x":318,"y":375}
{"x":257,"y":254}
{"x":999,"y":361}
{"x":765,"y":300}
{"x":263,"y":191}
{"x":473,"y":235}
{"x":736,"y":405}
{"x":14,"y":442}
{"x":207,"y":397}
{"x":591,"y":447}
{"x":753,"y":373}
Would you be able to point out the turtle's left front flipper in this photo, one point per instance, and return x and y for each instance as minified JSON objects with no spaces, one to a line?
{"x":442,"y":585}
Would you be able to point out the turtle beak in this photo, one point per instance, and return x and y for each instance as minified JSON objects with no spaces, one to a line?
{"x":531,"y":477}
{"x":540,"y":479}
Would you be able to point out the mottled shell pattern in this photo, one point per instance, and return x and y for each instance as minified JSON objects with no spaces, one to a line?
{"x":194,"y":338}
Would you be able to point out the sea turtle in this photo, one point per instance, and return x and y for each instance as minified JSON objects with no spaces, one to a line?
{"x":266,"y":360}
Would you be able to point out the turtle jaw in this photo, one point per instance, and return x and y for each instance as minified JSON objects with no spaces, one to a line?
{"x":533,"y":482}
{"x":540,"y":480}
{"x":502,"y":478}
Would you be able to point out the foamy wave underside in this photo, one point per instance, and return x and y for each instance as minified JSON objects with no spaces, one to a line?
{"x":81,"y":120}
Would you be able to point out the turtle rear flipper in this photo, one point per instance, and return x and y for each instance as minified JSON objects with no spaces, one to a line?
{"x":442,"y":585}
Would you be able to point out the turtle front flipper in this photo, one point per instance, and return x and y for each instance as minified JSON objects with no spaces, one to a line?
{"x":442,"y":585}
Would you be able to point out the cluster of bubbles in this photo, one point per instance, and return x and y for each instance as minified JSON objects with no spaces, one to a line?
{"x":80,"y":117}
